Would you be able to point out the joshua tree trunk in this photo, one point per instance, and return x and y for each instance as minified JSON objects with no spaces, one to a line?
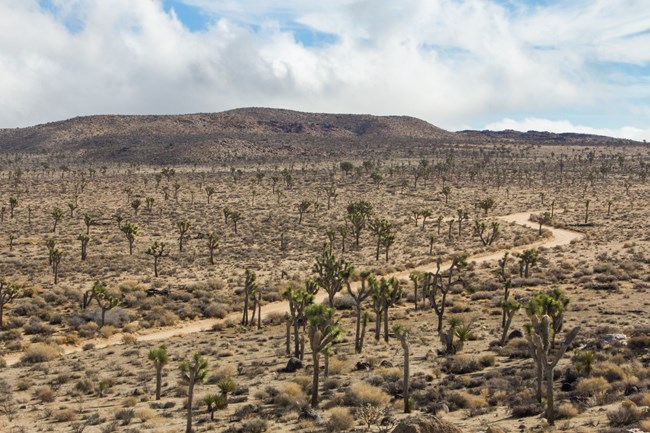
{"x":190,"y":397}
{"x":158,"y":381}
{"x":407,"y":369}
{"x":314,"y":388}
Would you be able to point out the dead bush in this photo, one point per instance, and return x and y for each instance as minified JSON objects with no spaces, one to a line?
{"x":340,"y":419}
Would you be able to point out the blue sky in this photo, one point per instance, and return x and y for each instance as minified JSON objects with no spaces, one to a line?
{"x":581,"y":65}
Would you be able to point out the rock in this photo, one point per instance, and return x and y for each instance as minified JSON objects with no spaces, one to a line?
{"x":439,"y":407}
{"x":494,"y":429}
{"x":309,"y":414}
{"x":386,"y":363}
{"x":566,"y":387}
{"x":425,"y":424}
{"x":616,"y":339}
{"x":631,"y":389}
{"x":515,"y":334}
{"x":292,"y":365}
{"x":362,"y":365}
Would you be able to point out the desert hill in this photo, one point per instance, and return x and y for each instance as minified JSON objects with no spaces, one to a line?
{"x":251,"y":134}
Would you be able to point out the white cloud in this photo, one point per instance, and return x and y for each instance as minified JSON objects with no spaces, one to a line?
{"x":535,"y":124}
{"x":447,"y":61}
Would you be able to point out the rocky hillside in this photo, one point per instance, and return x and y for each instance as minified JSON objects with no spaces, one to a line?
{"x":251,"y":134}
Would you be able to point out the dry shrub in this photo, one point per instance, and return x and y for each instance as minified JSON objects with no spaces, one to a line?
{"x":107,"y":330}
{"x":45,"y":394}
{"x":392,"y":374}
{"x":129,"y":402}
{"x":224,"y":372}
{"x":487,"y":360}
{"x":361,"y":394}
{"x":465,"y":400}
{"x":641,"y":398}
{"x":627,"y":413}
{"x":40,"y":352}
{"x":338,"y":366}
{"x":567,"y":410}
{"x":215,"y":310}
{"x":463,"y":364}
{"x":610,"y":371}
{"x":290,"y":394}
{"x":129,"y":339}
{"x":645,"y":425}
{"x":591,"y":386}
{"x":159,"y":316}
{"x":340,"y":419}
{"x":64,"y":415}
{"x":144,"y":414}
{"x":131,"y":328}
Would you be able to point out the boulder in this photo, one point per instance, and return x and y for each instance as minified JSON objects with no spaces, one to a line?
{"x":309,"y":414}
{"x":616,"y":339}
{"x":425,"y":424}
{"x":292,"y":365}
{"x":515,"y":334}
{"x":362,"y":365}
{"x":386,"y":363}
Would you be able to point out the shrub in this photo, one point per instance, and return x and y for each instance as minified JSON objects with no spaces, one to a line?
{"x":610,"y":371}
{"x":159,"y":316}
{"x":463,"y":364}
{"x":40,"y":352}
{"x":627,"y":413}
{"x":125,"y":416}
{"x":144,"y":414}
{"x":215,"y":310}
{"x":487,"y":360}
{"x":290,"y":394}
{"x":255,"y":425}
{"x":567,"y":410}
{"x":590,"y":386}
{"x":340,"y":419}
{"x":45,"y":394}
{"x":64,"y":415}
{"x":465,"y":400}
{"x":361,"y":394}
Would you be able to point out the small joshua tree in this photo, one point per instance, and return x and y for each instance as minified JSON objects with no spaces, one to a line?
{"x":72,"y":207}
{"x":8,"y":292}
{"x":131,"y":231}
{"x":159,"y":358}
{"x":249,"y":288}
{"x":89,"y":220}
{"x":213,"y":244}
{"x":193,"y":372}
{"x":527,"y":258}
{"x":235,"y":217}
{"x":486,"y":205}
{"x":487,"y":238}
{"x":303,"y":207}
{"x":331,"y":274}
{"x":183,"y":227}
{"x":359,"y":296}
{"x":510,"y":308}
{"x":157,"y":251}
{"x":209,"y":191}
{"x":56,"y":255}
{"x":13,"y":202}
{"x":135,"y":204}
{"x":104,"y":300}
{"x":57,"y":215}
{"x":149,"y":203}
{"x":214,"y":402}
{"x":84,"y":238}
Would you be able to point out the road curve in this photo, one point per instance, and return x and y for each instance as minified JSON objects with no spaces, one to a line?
{"x":559,"y":237}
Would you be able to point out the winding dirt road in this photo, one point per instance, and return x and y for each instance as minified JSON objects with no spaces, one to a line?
{"x":559,"y":237}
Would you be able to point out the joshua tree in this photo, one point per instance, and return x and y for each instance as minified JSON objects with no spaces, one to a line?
{"x":215,"y":402}
{"x":480,"y":228}
{"x":323,"y":331}
{"x":89,"y":220}
{"x":149,"y":203}
{"x":538,"y":336}
{"x":402,"y":333}
{"x":13,"y":202}
{"x":72,"y":207}
{"x":331,"y":236}
{"x":415,"y":277}
{"x":104,"y":300}
{"x":299,"y":299}
{"x":50,"y":243}
{"x":425,"y":215}
{"x":57,"y":215}
{"x":209,"y":190}
{"x":303,"y":206}
{"x":358,"y":214}
{"x":193,"y":372}
{"x":235,"y":217}
{"x":486,"y":205}
{"x":344,"y":231}
{"x":130,"y":230}
{"x":446,"y":190}
{"x":331,"y":274}
{"x":439,"y":221}
{"x":509,"y":308}
{"x":462,"y":216}
{"x":159,"y":358}
{"x":587,"y":211}
{"x":380,"y":227}
{"x":213,"y":244}
{"x":359,"y":297}
{"x":391,"y":290}
{"x":183,"y":227}
{"x":507,"y":284}
{"x":249,"y":288}
{"x":56,"y":256}
{"x":157,"y":251}
{"x":135,"y":204}
{"x":346,"y":167}
{"x":437,"y":285}
{"x":8,"y":292}
{"x":454,"y":339}
{"x":527,"y":258}
{"x":544,"y":219}
{"x":84,"y":238}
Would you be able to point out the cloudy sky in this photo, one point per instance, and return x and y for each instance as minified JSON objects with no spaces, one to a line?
{"x":556,"y":65}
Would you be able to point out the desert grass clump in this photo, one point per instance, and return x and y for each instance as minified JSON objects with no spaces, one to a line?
{"x":567,"y":410}
{"x":593,"y":387}
{"x":144,"y":414}
{"x":340,"y":419}
{"x":255,"y":425}
{"x":290,"y":394}
{"x":463,"y":364}
{"x":40,"y":352}
{"x":627,"y":413}
{"x":610,"y":371}
{"x":64,"y":415}
{"x":362,"y":394}
{"x":465,"y":400}
{"x":45,"y":394}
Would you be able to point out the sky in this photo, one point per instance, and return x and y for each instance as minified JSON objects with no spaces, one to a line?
{"x":550,"y":65}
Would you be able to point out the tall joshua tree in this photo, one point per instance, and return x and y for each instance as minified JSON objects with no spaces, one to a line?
{"x":193,"y":372}
{"x":359,"y":296}
{"x":358,"y":214}
{"x":183,"y":227}
{"x":402,"y":333}
{"x":157,"y":251}
{"x":299,"y":299}
{"x":437,"y":285}
{"x":104,"y":299}
{"x":331,"y":274}
{"x":380,"y":227}
{"x":84,"y":238}
{"x":159,"y":358}
{"x":249,"y":288}
{"x":323,"y":330}
{"x":55,"y":256}
{"x":8,"y":292}
{"x":527,"y":258}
